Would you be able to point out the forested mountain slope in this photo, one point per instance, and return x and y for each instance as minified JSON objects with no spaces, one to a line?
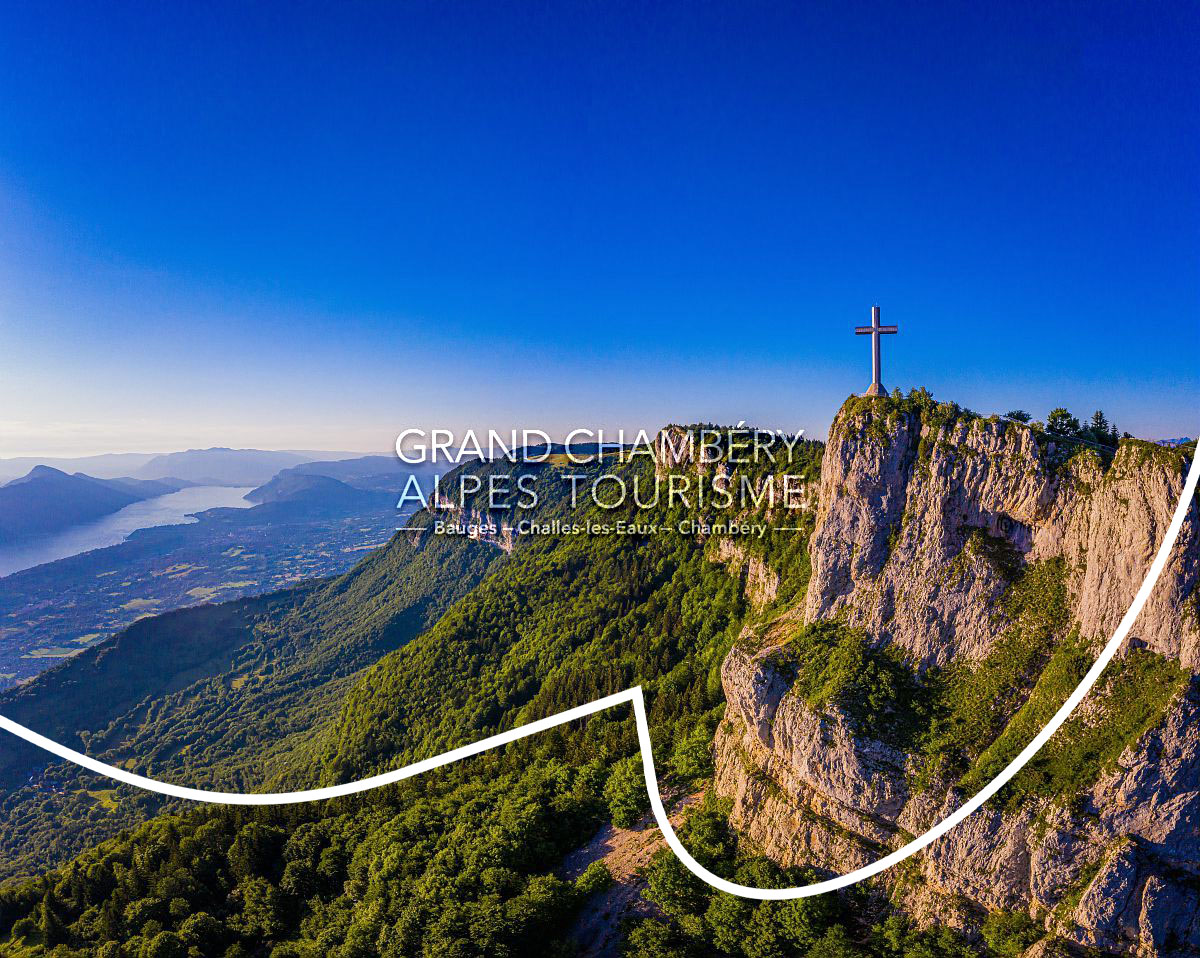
{"x":559,"y":622}
{"x":229,"y":695}
{"x":880,"y":656}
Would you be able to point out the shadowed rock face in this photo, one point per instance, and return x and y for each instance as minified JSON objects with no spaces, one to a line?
{"x":922,"y":522}
{"x":761,"y":581}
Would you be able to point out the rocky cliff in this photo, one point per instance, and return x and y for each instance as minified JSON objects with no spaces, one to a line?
{"x":931,"y":524}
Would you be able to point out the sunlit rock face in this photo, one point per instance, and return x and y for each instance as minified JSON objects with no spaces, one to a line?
{"x":922,"y":523}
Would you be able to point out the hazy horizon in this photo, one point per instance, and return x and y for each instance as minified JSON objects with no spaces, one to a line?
{"x":556,"y":436}
{"x":151,"y":453}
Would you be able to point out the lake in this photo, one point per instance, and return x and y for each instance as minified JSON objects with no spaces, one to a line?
{"x":168,"y":510}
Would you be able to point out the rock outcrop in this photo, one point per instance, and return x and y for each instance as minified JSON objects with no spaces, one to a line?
{"x":925,"y":517}
{"x":761,"y":581}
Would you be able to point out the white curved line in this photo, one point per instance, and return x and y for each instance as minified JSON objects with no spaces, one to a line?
{"x":634,"y":696}
{"x":330,"y":791}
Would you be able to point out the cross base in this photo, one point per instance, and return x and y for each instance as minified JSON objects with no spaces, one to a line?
{"x":876,"y":390}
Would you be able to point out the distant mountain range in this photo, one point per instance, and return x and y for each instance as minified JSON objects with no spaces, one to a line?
{"x":317,"y":491}
{"x":1175,"y":443}
{"x":371,"y":472}
{"x":148,"y":465}
{"x":224,"y":467}
{"x":107,"y":466}
{"x":361,"y":483}
{"x":49,"y":500}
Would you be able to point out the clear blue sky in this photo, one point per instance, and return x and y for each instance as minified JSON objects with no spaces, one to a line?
{"x":312,"y":226}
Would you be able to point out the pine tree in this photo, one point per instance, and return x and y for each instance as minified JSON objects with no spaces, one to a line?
{"x":50,"y":925}
{"x":110,"y":922}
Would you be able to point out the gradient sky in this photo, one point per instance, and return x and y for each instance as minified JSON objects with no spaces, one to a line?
{"x":313,"y":226}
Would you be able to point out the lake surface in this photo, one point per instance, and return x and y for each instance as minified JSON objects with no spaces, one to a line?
{"x":168,"y":510}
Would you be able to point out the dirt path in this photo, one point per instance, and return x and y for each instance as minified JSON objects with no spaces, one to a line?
{"x":626,"y":851}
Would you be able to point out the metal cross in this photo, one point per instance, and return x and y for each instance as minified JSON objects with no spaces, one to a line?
{"x":875,"y":331}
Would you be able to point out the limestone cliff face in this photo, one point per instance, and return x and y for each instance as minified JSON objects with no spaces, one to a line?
{"x":890,"y":547}
{"x":922,"y":519}
{"x":910,"y":544}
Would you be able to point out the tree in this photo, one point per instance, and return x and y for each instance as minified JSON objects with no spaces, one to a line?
{"x":625,"y":792}
{"x":202,"y":930}
{"x":1102,"y":430}
{"x":49,"y":924}
{"x":726,"y":919}
{"x":693,"y":757}
{"x":166,"y":944}
{"x":761,"y":935}
{"x":262,"y":909}
{"x":137,"y":913}
{"x":801,"y":920}
{"x":1020,"y":415}
{"x":922,"y":397}
{"x":1061,"y":422}
{"x":654,"y":939}
{"x":836,"y":943}
{"x":256,"y":849}
{"x":110,"y":921}
{"x":23,"y":928}
{"x":595,"y":878}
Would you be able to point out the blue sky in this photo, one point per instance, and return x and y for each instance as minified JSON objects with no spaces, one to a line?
{"x":310,"y":226}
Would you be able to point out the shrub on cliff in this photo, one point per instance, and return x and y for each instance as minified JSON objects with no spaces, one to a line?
{"x":1009,"y":933}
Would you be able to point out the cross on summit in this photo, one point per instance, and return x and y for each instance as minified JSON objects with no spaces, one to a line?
{"x":875,"y":331}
